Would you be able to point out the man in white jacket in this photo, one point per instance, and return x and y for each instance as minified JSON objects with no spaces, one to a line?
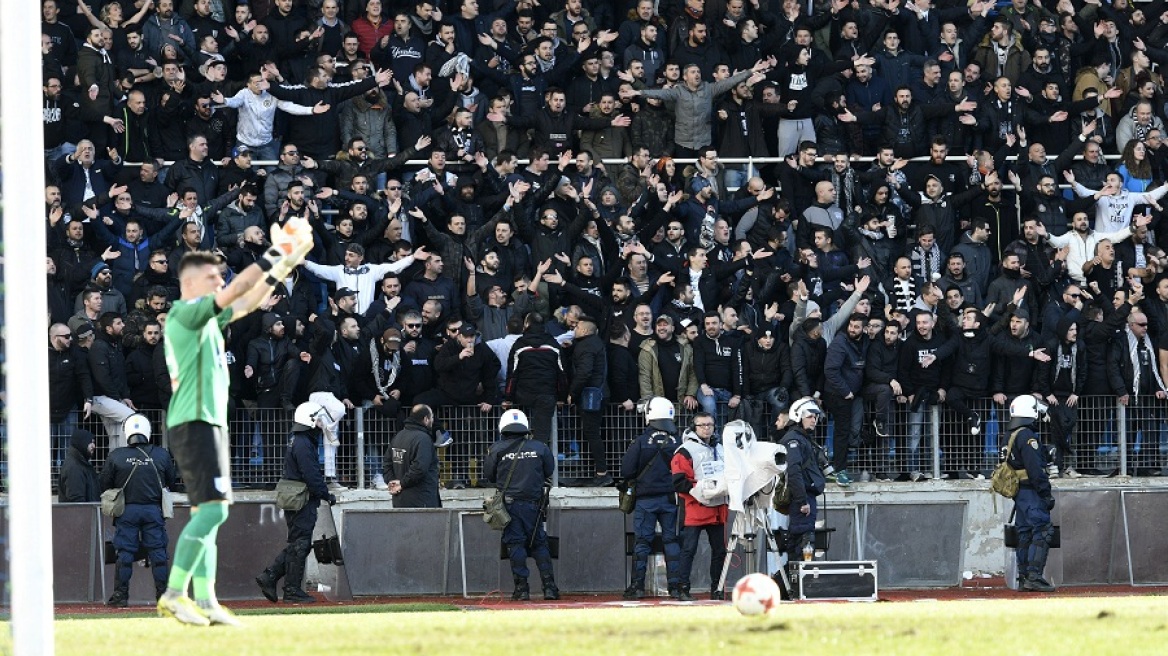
{"x":1113,"y":203}
{"x":1082,"y":240}
{"x":257,"y":111}
{"x":360,"y":277}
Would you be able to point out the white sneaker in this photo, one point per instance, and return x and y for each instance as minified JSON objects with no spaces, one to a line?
{"x":183,"y":609}
{"x":1071,"y":473}
{"x":334,"y":484}
{"x":379,"y":482}
{"x":222,"y":617}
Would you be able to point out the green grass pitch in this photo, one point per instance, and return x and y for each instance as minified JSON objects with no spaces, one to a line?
{"x":1062,"y":625}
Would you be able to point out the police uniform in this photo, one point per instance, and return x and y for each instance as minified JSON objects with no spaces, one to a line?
{"x":656,"y":505}
{"x":805,"y":480}
{"x":300,"y":464}
{"x":521,"y":467}
{"x":1032,"y":508}
{"x":142,"y":525}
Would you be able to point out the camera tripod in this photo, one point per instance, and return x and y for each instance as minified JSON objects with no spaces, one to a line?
{"x":747,"y":525}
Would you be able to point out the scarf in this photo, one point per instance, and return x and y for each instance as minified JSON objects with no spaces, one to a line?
{"x":1140,"y":132}
{"x":394,"y":368}
{"x":1133,"y":344}
{"x":426,"y":27}
{"x":105,"y":58}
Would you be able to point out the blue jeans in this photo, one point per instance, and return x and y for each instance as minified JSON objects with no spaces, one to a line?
{"x":916,"y":425}
{"x":716,"y":404}
{"x":66,"y":148}
{"x":266,"y":152}
{"x":649,"y":513}
{"x":734,"y":177}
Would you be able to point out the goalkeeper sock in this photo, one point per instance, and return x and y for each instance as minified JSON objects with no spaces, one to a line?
{"x":192,"y":543}
{"x":203,"y":576}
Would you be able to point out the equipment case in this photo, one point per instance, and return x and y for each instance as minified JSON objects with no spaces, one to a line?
{"x":841,"y":580}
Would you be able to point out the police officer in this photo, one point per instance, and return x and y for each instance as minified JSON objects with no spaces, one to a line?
{"x":300,"y":464}
{"x":141,"y":470}
{"x":805,"y":477}
{"x":1035,"y":500}
{"x":522,"y":468}
{"x":647,"y":462}
{"x":698,"y":476}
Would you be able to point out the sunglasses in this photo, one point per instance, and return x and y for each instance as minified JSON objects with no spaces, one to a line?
{"x":160,"y":262}
{"x":63,"y":336}
{"x":393,"y":188}
{"x":291,"y":152}
{"x":1141,"y":325}
{"x":361,"y":149}
{"x":413,"y":325}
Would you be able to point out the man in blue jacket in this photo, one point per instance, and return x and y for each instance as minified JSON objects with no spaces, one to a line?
{"x":844,"y":371}
{"x":300,"y":464}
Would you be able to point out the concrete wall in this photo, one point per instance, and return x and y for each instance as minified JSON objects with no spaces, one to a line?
{"x":926,"y":534}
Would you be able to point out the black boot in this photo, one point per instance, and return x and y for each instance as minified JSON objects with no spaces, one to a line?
{"x":1035,"y":583}
{"x":636,"y":589}
{"x":522,"y":592}
{"x":683,"y":593}
{"x":159,"y":590}
{"x":550,"y":591}
{"x":675,"y":592}
{"x":121,"y":596}
{"x":294,"y":577}
{"x":267,"y":581}
{"x":717,"y":595}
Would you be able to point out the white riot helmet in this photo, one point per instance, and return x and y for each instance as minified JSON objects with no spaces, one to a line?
{"x":136,"y":428}
{"x":1025,"y":409}
{"x":802,"y":408}
{"x":659,"y":408}
{"x":659,"y":413}
{"x":307,"y":416}
{"x":514,"y":422}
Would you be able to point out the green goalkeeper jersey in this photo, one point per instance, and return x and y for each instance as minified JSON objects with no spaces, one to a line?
{"x":197,"y":360}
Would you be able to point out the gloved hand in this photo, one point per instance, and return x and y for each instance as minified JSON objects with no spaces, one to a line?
{"x":332,"y":499}
{"x":1049,"y":503}
{"x":292,"y":241}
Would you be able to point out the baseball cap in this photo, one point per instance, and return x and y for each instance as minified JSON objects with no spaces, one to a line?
{"x":84,"y":331}
{"x":393,"y":337}
{"x":343,"y":292}
{"x":698,"y":183}
{"x":241,"y":149}
{"x":664,"y":318}
{"x":467,"y":330}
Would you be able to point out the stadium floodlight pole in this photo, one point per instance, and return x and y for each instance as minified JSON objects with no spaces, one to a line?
{"x":29,"y":503}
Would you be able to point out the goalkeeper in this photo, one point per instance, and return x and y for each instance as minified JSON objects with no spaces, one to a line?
{"x":197,"y":416}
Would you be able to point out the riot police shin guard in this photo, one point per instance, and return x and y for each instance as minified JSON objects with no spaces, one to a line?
{"x":522,"y":591}
{"x":160,"y":571}
{"x":547,"y":576}
{"x":294,"y":578}
{"x":1039,"y":550}
{"x":636,"y":589}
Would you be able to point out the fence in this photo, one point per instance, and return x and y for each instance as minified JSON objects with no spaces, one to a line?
{"x":1107,"y":439}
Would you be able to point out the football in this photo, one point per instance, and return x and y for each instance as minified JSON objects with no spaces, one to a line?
{"x":755,"y":594}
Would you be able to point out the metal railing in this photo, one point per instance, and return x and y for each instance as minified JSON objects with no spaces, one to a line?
{"x":1107,"y":439}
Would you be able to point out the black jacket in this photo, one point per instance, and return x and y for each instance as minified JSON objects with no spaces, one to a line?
{"x":973,"y":361}
{"x":532,"y":464}
{"x":319,"y":135}
{"x":622,"y":374}
{"x":301,"y":463}
{"x":469,"y":381}
{"x":143,"y":485}
{"x":534,"y":365}
{"x":1097,"y":336}
{"x":107,"y":365}
{"x":589,"y":367}
{"x":766,"y":369}
{"x":807,"y":357}
{"x":804,"y":477}
{"x":883,"y":365}
{"x":413,"y":460}
{"x":69,"y":381}
{"x":78,"y":479}
{"x":718,"y":362}
{"x":140,"y":377}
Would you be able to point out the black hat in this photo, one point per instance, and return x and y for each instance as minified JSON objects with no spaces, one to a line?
{"x":343,"y":292}
{"x":467,"y":329}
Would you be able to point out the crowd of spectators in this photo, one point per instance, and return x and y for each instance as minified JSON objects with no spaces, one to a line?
{"x":624,"y":259}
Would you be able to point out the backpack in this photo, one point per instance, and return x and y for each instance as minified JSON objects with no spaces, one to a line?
{"x":782,"y":498}
{"x":1005,"y":479}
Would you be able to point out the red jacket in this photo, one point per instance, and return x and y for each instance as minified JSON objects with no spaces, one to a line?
{"x":695,"y":513}
{"x":368,"y":35}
